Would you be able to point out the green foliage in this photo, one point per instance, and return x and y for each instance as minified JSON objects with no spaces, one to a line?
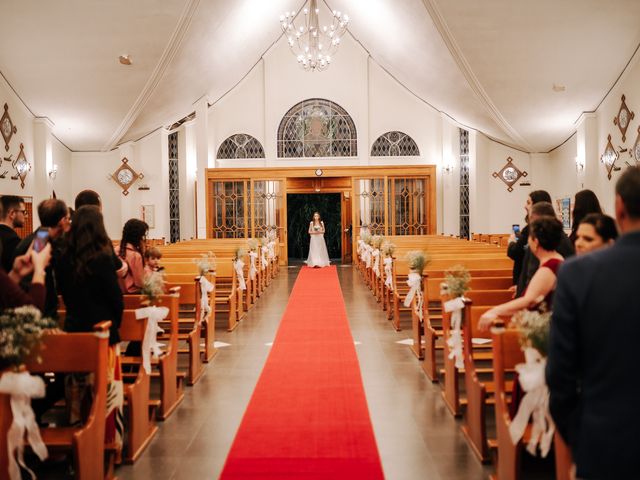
{"x":253,"y":244}
{"x":20,"y":331}
{"x":417,"y":260}
{"x":534,"y":329}
{"x":240,"y":253}
{"x":376,"y":241}
{"x":388,"y":248}
{"x":206,"y":263}
{"x":457,"y":279}
{"x":153,"y":286}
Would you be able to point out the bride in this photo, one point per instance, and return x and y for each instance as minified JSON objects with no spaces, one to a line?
{"x":318,"y":256}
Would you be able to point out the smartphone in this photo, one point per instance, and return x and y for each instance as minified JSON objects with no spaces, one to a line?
{"x":516,"y":230}
{"x":41,"y":239}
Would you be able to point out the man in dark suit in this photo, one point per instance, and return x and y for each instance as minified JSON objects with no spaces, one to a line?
{"x":14,"y":217}
{"x":54,"y":216}
{"x":592,"y":369}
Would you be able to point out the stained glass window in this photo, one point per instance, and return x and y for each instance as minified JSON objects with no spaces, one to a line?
{"x":317,"y":128}
{"x":230,"y":210}
{"x":394,"y":144}
{"x":240,"y":145}
{"x":408,"y":206}
{"x":464,"y":183}
{"x":174,"y":190}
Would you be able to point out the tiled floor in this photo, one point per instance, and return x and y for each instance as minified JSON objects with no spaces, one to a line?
{"x":417,"y":437}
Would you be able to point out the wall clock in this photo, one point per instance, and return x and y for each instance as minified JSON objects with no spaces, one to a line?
{"x":623,"y":118}
{"x":609,"y":157}
{"x":319,"y":172}
{"x":22,"y":167}
{"x":125,"y":176}
{"x":7,"y":127}
{"x":636,"y":148}
{"x":509,"y":174}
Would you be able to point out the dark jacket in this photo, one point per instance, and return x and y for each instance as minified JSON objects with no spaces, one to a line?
{"x":9,"y":240}
{"x":516,"y":252}
{"x":92,"y":299}
{"x":51,"y":300}
{"x":592,"y":369}
{"x":530,"y":263}
{"x":11,"y":295}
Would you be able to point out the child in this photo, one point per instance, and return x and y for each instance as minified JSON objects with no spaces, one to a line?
{"x":152,"y":258}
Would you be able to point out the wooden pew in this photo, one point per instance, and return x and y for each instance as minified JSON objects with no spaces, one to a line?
{"x":141,"y":427}
{"x":171,"y":381}
{"x":71,"y":353}
{"x":189,"y":325}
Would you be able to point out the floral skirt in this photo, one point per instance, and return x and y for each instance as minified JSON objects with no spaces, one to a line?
{"x":78,"y":392}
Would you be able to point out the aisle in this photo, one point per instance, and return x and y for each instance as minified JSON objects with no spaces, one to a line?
{"x":308,"y":416}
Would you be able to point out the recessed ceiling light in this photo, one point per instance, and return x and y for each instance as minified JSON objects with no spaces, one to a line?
{"x":558,"y":87}
{"x":125,"y":60}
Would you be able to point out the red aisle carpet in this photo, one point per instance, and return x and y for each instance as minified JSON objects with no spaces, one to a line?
{"x":308,"y":417}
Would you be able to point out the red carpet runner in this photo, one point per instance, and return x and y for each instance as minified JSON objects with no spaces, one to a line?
{"x":308,"y":417}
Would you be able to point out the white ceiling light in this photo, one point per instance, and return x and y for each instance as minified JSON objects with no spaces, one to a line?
{"x":125,"y":59}
{"x":314,"y":46}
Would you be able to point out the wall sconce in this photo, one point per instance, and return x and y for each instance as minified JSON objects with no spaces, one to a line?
{"x":579,"y":164}
{"x":53,"y":173}
{"x":447,"y":167}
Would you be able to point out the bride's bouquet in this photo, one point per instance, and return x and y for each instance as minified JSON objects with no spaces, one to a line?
{"x":316,"y":228}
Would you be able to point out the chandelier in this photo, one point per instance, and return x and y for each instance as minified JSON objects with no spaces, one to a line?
{"x":314,"y":46}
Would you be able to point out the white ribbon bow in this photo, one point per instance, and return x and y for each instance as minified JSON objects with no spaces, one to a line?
{"x":376,"y":262}
{"x":22,"y":387}
{"x":366,"y":255}
{"x":238,"y":265}
{"x":252,"y":265}
{"x":455,"y":307}
{"x":205,"y":287}
{"x":263,"y":258}
{"x":271,"y":247}
{"x":388,"y":272}
{"x":150,"y":344}
{"x":534,"y":404}
{"x":359,"y":249}
{"x":414,"y":281}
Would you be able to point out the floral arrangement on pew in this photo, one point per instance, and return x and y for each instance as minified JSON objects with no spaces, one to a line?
{"x":417,"y":261}
{"x":153,"y":287}
{"x":455,"y":285}
{"x":238,"y":265}
{"x":376,"y":242}
{"x":365,"y":250}
{"x":20,"y":332}
{"x":252,"y":245}
{"x":206,"y":264}
{"x":387,"y":248}
{"x":534,"y":335}
{"x":264,"y":242}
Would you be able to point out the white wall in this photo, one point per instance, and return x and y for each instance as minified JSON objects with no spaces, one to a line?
{"x":42,"y":151}
{"x":590,"y":141}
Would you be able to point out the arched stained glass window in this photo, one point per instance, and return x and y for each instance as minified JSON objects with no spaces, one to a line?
{"x":394,"y":144}
{"x":240,"y":145}
{"x":317,"y":128}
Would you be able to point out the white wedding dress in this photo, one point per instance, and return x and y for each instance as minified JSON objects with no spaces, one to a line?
{"x":318,"y":255}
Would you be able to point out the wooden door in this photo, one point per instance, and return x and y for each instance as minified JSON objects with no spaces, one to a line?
{"x":347,"y":228}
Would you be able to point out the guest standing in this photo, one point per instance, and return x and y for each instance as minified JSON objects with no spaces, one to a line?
{"x":86,"y":276}
{"x":584,"y":203}
{"x":592,"y":369}
{"x":14,"y":216}
{"x":516,"y":248}
{"x":132,"y":247}
{"x":594,"y":232}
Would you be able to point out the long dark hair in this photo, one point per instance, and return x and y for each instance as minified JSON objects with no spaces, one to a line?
{"x":604,"y":225}
{"x":538,"y":196}
{"x":585,"y":202}
{"x":133,"y":233}
{"x":87,"y":239}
